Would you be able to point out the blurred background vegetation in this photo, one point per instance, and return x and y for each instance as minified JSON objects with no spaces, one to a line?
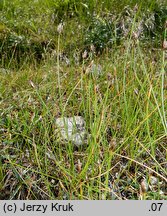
{"x":28,"y":29}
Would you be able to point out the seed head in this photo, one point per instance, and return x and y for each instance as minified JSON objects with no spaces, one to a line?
{"x":164,"y":45}
{"x":166,"y":24}
{"x":144,"y":186}
{"x":84,"y":54}
{"x":60,"y":28}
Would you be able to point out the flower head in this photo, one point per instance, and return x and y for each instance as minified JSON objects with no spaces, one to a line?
{"x":60,"y":28}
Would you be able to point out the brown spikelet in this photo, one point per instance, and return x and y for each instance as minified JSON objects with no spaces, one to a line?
{"x":164,"y":45}
{"x":79,"y":166}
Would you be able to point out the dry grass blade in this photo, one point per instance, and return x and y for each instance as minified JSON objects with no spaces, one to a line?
{"x":142,"y":165}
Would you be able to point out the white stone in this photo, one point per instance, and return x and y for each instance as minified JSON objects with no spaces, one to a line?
{"x":72,"y":129}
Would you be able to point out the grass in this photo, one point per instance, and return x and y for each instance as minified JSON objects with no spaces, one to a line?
{"x":124,"y":109}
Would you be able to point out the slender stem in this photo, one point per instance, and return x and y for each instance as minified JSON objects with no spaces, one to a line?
{"x":58,"y":64}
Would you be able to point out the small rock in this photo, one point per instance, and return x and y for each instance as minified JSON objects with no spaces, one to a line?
{"x":72,"y":129}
